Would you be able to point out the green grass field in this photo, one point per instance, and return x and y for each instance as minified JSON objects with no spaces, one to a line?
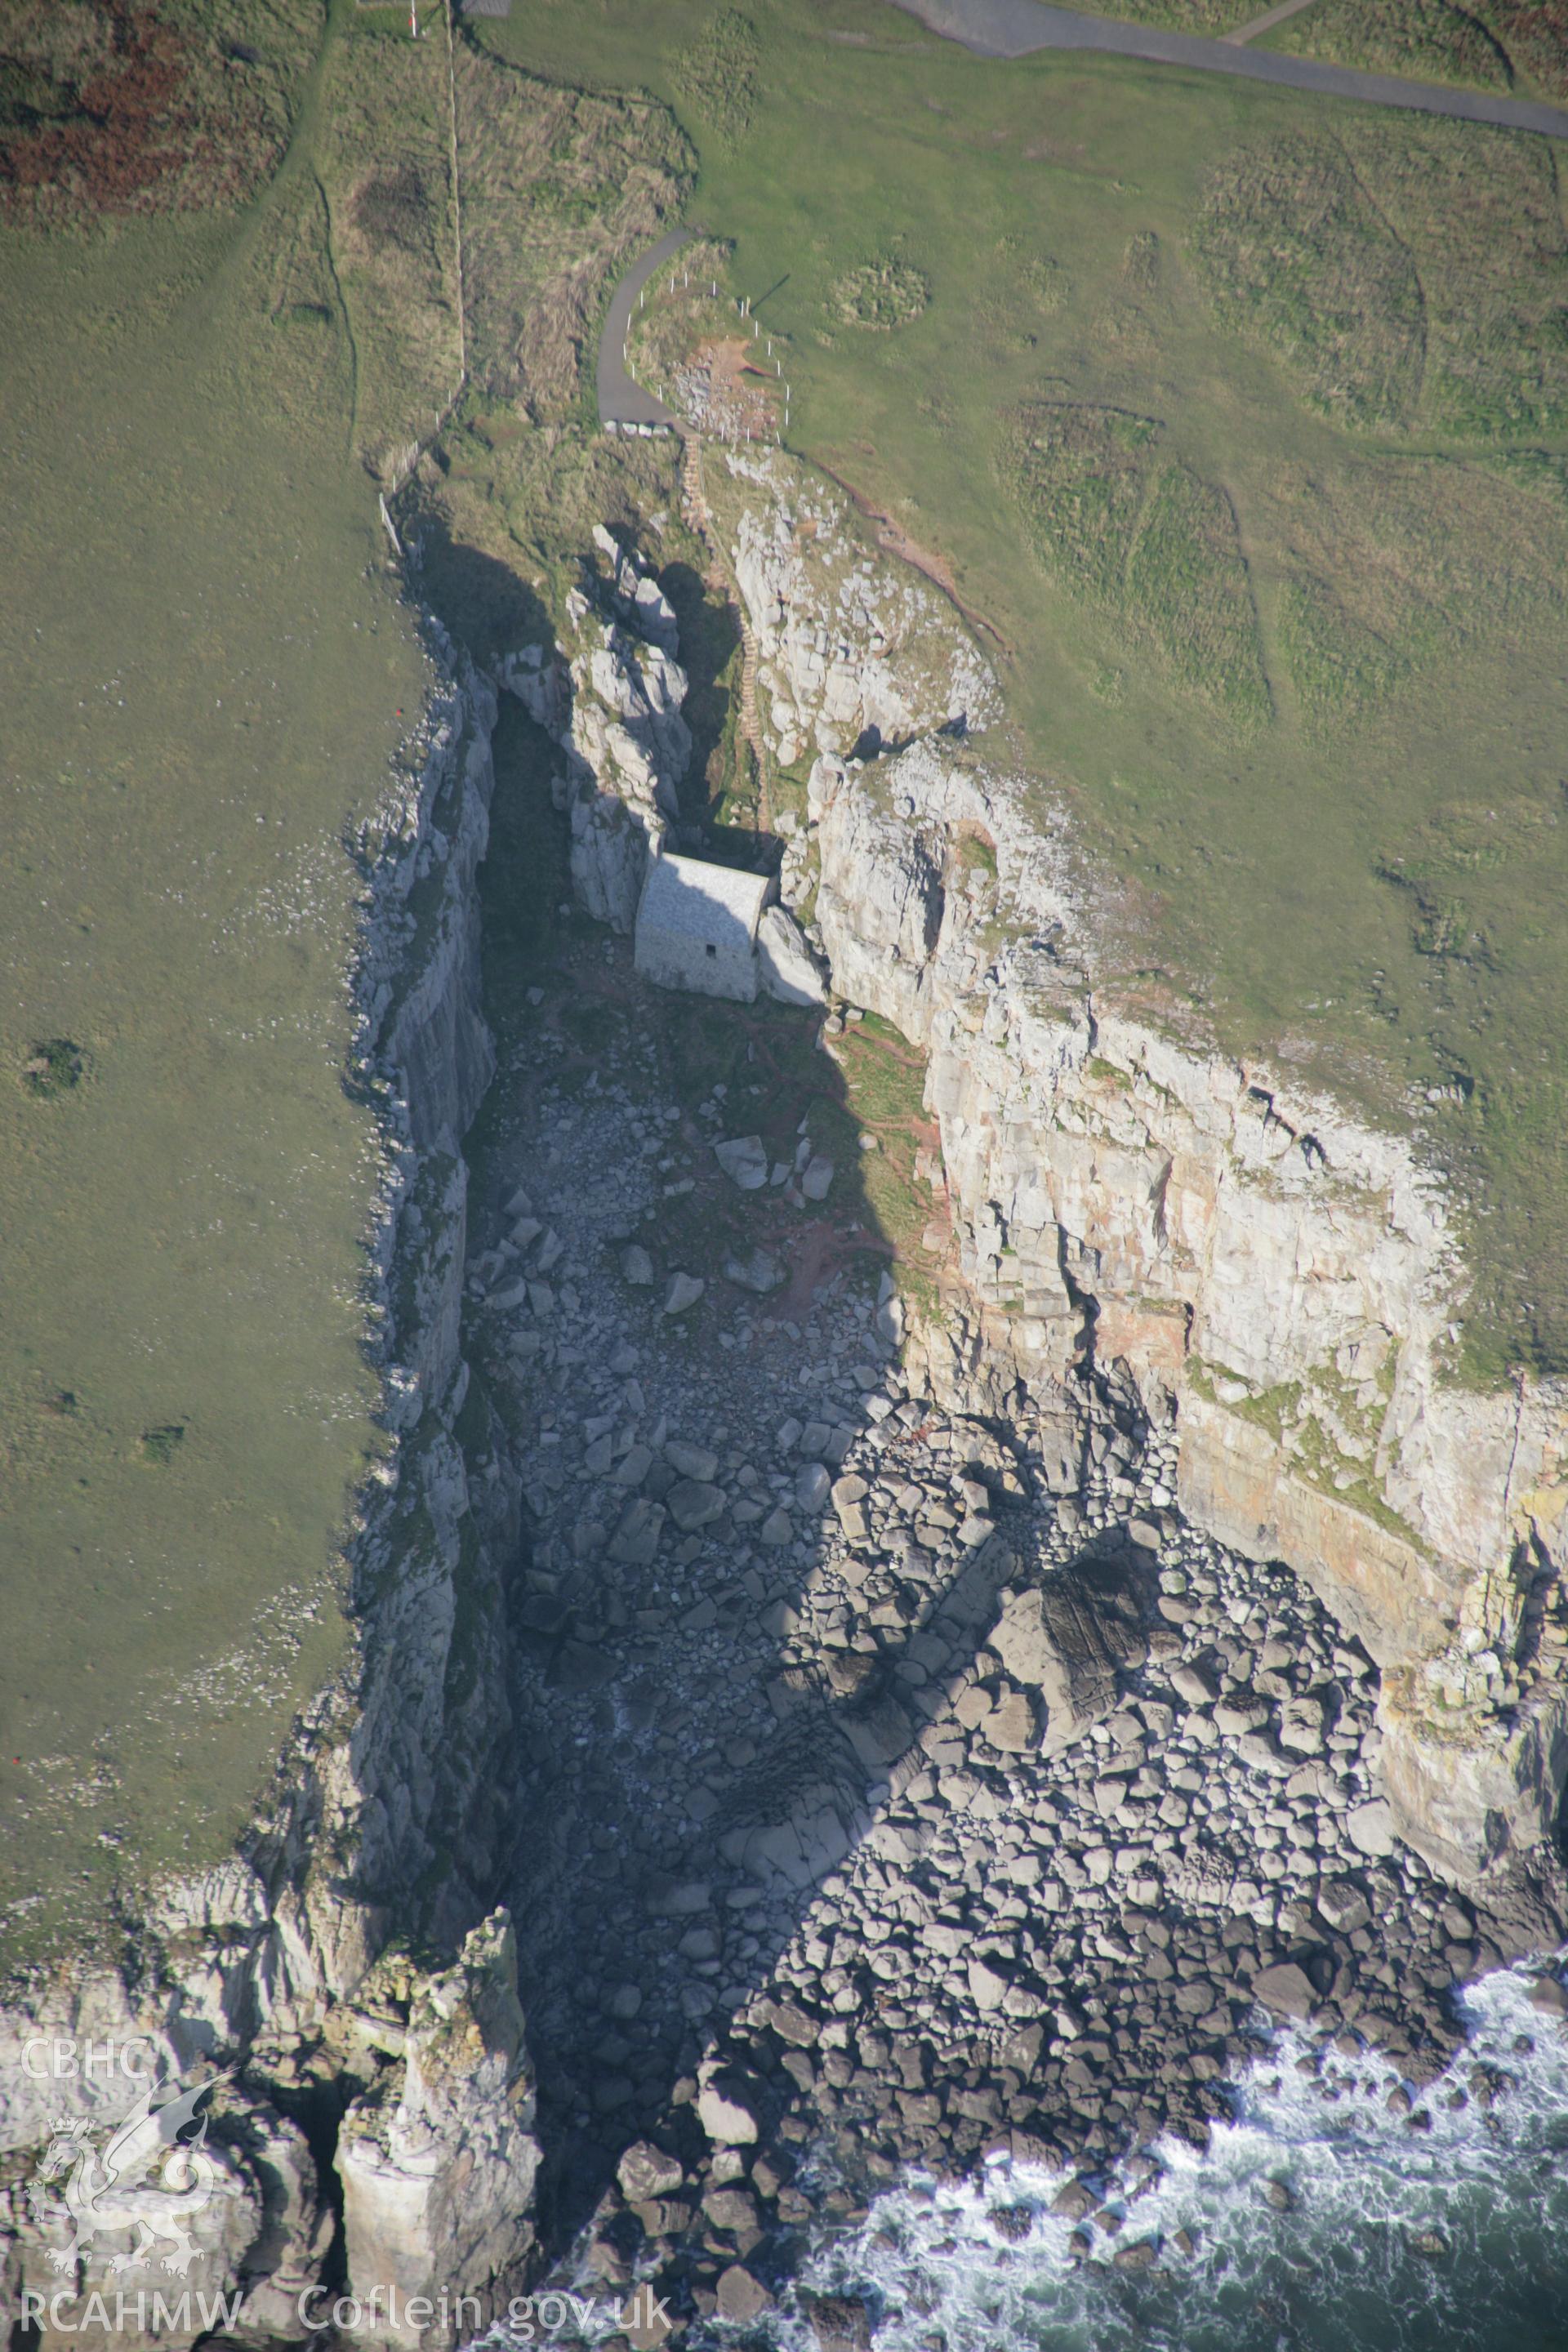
{"x":1242,"y":417}
{"x":1495,"y":45}
{"x":205,"y":667}
{"x":1205,"y":16}
{"x":216,"y":352}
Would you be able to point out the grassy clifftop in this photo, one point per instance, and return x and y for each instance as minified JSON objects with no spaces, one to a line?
{"x":208,"y":672}
{"x":232,"y":314}
{"x":1242,"y":416}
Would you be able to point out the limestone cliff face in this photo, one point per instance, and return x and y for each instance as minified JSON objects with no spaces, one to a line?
{"x":1282,"y":1276}
{"x":1258,"y":1261}
{"x":850,"y":648}
{"x":610,"y":695}
{"x":438,"y":2164}
{"x":273,"y":1968}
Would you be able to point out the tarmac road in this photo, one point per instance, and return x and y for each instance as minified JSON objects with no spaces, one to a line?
{"x":622,"y":402}
{"x":1013,"y":28}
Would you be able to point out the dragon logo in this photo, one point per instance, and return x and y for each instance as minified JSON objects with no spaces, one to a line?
{"x":147,"y":2179}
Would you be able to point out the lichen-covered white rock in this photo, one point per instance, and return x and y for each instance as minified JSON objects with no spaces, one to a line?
{"x":438,"y":2163}
{"x":637,"y":594}
{"x":784,"y":963}
{"x":849,"y":647}
{"x":611,"y":698}
{"x":1254,"y":1257}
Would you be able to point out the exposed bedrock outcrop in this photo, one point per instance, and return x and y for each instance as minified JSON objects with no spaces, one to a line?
{"x":437,"y":2161}
{"x":610,"y":695}
{"x":1285,"y":1277}
{"x":279,"y":1970}
{"x":850,"y":648}
{"x":1277,"y":1272}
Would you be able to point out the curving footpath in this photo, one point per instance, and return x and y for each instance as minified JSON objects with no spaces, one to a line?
{"x":622,"y":402}
{"x":1013,"y":29}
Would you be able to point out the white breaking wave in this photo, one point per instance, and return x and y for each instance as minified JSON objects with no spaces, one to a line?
{"x":1449,"y":2239}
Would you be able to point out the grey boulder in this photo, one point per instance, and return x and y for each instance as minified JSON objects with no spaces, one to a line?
{"x":744,"y":1159}
{"x":1070,"y":1636}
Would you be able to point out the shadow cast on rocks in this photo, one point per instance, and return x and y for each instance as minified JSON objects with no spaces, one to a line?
{"x":912,"y":1781}
{"x":487,"y":605}
{"x":711,"y":657}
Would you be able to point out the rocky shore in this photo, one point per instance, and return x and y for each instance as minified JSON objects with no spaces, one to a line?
{"x":974,"y":1797}
{"x":906,"y":1786}
{"x":1289,"y":1272}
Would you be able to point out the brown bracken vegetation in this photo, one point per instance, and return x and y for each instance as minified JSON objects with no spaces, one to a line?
{"x":110,"y":110}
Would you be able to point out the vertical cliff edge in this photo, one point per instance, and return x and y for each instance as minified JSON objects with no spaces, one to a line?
{"x":294,"y":1977}
{"x":1265,"y":1268}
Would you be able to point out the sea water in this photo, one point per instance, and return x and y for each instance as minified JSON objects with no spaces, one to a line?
{"x":1448,"y":2240}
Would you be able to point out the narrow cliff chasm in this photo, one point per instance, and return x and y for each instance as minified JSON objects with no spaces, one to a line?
{"x":902,"y":1774}
{"x":894,"y":1624}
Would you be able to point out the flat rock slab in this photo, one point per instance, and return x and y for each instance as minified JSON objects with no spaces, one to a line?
{"x":1232,"y":1717}
{"x":1301,"y":1726}
{"x":1286,"y":1990}
{"x":1198,"y":1689}
{"x":791,"y":2024}
{"x":987,"y":1989}
{"x":744,"y":1159}
{"x":1258,"y":1752}
{"x":840,"y":2323}
{"x":1069,"y":1638}
{"x":1010,"y":1726}
{"x":692,"y":1461}
{"x":1343,"y":1907}
{"x":1370,"y":1828}
{"x":812,"y":1485}
{"x":817,"y":1178}
{"x":646,"y":2171}
{"x":759,"y":1270}
{"x":727,"y":2115}
{"x":741,"y":2297}
{"x":635,"y":1539}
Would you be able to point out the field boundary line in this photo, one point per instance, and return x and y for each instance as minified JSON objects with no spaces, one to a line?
{"x":457,"y":210}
